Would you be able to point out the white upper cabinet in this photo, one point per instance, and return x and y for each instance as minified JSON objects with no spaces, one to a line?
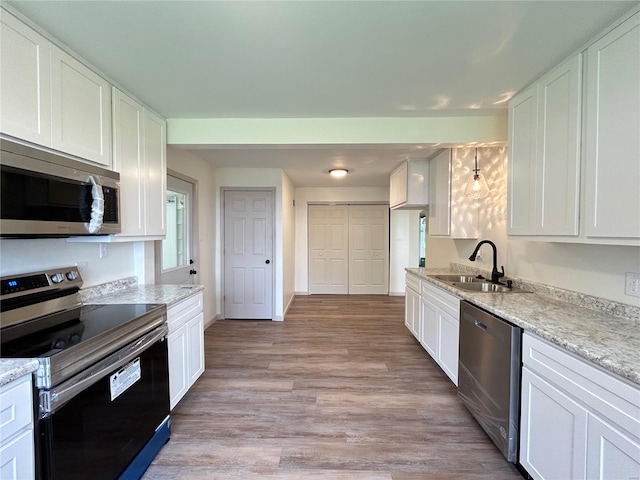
{"x":523,"y":132}
{"x":544,"y":159}
{"x":155,"y":157}
{"x":451,"y":214}
{"x":81,"y":109}
{"x":408,"y":185}
{"x":573,"y":170}
{"x":612,"y":195}
{"x":49,"y":98}
{"x":25,"y":91}
{"x":139,"y":155}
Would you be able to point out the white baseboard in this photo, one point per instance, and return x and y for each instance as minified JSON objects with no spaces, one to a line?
{"x":396,"y":294}
{"x":302,"y":293}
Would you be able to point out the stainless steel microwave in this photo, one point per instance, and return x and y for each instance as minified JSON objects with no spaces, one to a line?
{"x":48,"y":195}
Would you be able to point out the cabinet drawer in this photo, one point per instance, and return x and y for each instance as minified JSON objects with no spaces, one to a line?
{"x":15,"y":406}
{"x":604,"y":393}
{"x":412,"y":282}
{"x":182,"y":312}
{"x":446,"y":302}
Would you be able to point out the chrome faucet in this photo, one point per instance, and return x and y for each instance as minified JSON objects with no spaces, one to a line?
{"x":495,"y":274}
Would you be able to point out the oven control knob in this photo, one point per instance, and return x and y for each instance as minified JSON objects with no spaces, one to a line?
{"x":72,"y":275}
{"x":57,"y":278}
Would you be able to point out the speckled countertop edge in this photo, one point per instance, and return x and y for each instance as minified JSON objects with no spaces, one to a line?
{"x":165,"y":294}
{"x":609,"y":341}
{"x":14,"y":368}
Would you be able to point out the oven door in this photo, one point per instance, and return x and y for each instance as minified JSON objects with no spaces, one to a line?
{"x":96,"y":423}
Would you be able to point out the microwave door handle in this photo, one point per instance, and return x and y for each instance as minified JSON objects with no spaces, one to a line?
{"x":97,"y":206}
{"x":51,"y":400}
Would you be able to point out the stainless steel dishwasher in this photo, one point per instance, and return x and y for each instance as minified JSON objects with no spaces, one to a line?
{"x":489,"y":375}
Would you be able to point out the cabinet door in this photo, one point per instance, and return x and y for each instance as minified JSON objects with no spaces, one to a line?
{"x":17,"y":458}
{"x":129,"y":162}
{"x":558,"y":150}
{"x":440,"y":195}
{"x":155,"y":148}
{"x":195,"y":351}
{"x":398,"y":185}
{"x":429,"y":335}
{"x":610,"y":454}
{"x":553,"y":431}
{"x":612,"y":171}
{"x":25,"y":92}
{"x":521,"y":198}
{"x":448,"y":339}
{"x":178,"y":365}
{"x":412,"y":312}
{"x":81,"y":110}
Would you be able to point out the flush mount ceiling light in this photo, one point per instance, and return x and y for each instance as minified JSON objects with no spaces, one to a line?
{"x":477,"y":187}
{"x":338,"y":172}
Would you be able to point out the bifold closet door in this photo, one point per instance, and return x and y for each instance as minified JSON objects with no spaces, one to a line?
{"x":368,"y":249}
{"x":348,"y":249}
{"x":328,"y":249}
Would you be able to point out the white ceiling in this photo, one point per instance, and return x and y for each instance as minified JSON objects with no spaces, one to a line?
{"x":302,"y":59}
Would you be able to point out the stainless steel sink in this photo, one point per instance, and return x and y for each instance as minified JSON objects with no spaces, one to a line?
{"x":487,"y":287}
{"x":457,"y":278}
{"x":475,"y":284}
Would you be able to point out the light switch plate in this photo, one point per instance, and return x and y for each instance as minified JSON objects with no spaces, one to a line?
{"x":632,"y":284}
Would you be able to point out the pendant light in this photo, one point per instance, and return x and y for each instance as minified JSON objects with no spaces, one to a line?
{"x":477,"y":187}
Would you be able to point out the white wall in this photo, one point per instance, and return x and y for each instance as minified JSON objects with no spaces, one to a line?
{"x":251,"y":178}
{"x":27,"y":255}
{"x":289,"y":241}
{"x":597,"y":270}
{"x":192,"y":166}
{"x":399,"y":235}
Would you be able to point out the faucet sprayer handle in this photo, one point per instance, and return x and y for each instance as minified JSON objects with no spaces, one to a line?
{"x":500,"y":275}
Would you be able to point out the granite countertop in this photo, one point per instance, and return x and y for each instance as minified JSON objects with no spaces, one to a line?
{"x":609,"y":341}
{"x":167,"y":294}
{"x":13,"y":368}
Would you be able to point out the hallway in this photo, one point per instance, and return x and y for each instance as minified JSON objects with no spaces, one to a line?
{"x":339,"y":390}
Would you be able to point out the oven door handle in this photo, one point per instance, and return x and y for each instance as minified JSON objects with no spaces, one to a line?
{"x":52,"y":399}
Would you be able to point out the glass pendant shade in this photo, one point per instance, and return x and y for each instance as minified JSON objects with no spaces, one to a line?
{"x":477,"y":187}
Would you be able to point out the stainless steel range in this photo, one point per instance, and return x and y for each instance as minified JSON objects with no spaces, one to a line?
{"x":102,"y":385}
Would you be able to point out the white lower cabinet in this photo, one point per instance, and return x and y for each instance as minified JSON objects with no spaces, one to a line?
{"x":186,"y":346}
{"x":577,"y":421}
{"x":412,"y":305}
{"x":432,"y":316}
{"x":550,"y":424}
{"x":610,"y":453}
{"x":441,"y":328}
{"x":17,"y":461}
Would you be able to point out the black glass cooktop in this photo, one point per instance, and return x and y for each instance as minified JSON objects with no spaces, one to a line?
{"x":84,"y":323}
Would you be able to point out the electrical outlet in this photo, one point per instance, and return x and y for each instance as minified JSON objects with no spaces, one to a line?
{"x":632,"y":284}
{"x":82,"y":268}
{"x":104,"y":250}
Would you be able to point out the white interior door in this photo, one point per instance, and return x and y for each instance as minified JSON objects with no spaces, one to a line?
{"x":248,"y":254}
{"x":328,"y":249}
{"x":176,"y":253}
{"x":368,"y":249}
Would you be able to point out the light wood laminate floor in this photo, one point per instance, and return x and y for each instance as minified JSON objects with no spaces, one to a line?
{"x":339,"y":390}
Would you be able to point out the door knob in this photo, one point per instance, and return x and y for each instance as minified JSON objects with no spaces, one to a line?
{"x":268,"y":262}
{"x":192,"y":272}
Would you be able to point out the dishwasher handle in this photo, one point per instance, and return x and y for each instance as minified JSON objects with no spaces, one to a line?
{"x":479,"y":324}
